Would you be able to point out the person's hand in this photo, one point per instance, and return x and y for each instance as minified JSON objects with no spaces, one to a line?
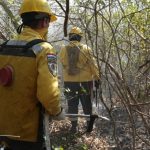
{"x":97,"y":83}
{"x":60,"y":116}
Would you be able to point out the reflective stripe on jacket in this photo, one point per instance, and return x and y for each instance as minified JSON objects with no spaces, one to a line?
{"x":32,"y":83}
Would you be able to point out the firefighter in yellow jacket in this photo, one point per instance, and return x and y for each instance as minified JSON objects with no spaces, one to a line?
{"x":79,"y":72}
{"x":28,"y":80}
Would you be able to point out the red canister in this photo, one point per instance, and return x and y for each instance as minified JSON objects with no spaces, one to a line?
{"x":6,"y":75}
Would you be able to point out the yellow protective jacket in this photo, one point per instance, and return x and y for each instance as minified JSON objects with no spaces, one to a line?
{"x":33,"y":82}
{"x":86,"y":63}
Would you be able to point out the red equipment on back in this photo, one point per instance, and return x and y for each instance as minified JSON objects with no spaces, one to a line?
{"x":6,"y":75}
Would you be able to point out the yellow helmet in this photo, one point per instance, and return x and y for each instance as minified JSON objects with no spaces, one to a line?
{"x":76,"y":30}
{"x":37,"y":6}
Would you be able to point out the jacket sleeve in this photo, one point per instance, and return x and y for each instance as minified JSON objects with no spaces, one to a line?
{"x":62,"y":56}
{"x":93,"y":64}
{"x":47,"y":83}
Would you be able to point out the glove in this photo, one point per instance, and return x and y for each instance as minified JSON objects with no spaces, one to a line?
{"x":59,"y":116}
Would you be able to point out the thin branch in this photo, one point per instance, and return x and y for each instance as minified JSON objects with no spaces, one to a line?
{"x":60,"y":6}
{"x":66,"y":18}
{"x":10,"y":14}
{"x":135,"y":30}
{"x":2,"y":36}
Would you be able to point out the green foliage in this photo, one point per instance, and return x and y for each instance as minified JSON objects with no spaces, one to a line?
{"x":58,"y":148}
{"x":83,"y":147}
{"x":10,"y":1}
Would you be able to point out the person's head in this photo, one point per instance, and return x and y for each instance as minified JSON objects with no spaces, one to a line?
{"x":75,"y":34}
{"x":36,"y":14}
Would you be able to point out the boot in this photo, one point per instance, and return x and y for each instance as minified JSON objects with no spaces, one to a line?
{"x":73,"y":127}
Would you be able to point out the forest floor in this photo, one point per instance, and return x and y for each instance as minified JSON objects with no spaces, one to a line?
{"x":103,"y":136}
{"x":81,"y":140}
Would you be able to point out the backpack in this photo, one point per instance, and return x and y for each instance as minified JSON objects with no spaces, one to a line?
{"x":19,"y":50}
{"x":73,"y":58}
{"x":6,"y":72}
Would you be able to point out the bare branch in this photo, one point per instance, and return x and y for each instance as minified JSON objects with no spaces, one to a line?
{"x":10,"y":14}
{"x":66,"y":18}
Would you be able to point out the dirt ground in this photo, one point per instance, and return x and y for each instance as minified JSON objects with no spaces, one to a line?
{"x":62,"y":137}
{"x":104,"y":136}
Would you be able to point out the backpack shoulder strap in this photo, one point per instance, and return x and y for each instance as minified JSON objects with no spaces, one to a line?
{"x":4,"y":43}
{"x":34,"y":42}
{"x":20,"y":50}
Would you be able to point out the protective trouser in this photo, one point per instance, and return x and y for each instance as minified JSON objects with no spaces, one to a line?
{"x":76,"y":91}
{"x":21,"y":145}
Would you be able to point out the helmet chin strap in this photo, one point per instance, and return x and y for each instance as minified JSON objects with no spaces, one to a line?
{"x":19,"y":29}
